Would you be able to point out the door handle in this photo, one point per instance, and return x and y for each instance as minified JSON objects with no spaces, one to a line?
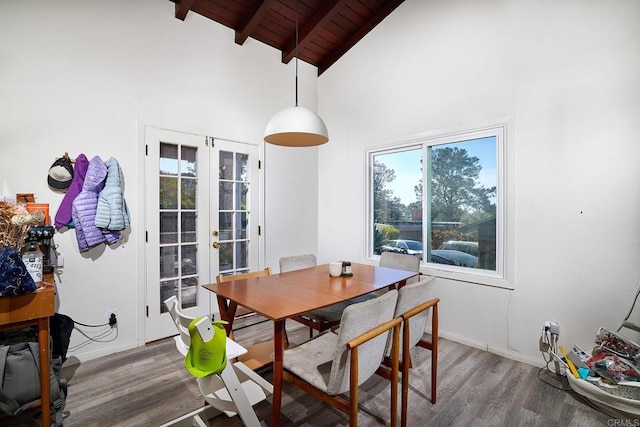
{"x":216,"y":245}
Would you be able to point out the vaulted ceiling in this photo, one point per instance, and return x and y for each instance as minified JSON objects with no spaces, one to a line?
{"x":327,"y":29}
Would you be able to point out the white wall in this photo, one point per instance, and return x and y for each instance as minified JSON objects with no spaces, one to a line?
{"x":83,"y":76}
{"x":291,"y":202}
{"x":568,"y":77}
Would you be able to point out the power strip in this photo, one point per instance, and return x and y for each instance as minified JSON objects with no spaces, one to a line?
{"x":549,"y":344}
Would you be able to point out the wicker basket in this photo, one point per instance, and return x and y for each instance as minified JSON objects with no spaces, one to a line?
{"x":13,"y":228}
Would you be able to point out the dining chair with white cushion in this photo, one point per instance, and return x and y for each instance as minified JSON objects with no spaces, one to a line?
{"x":401,"y":262}
{"x":331,"y":364}
{"x":413,"y":306}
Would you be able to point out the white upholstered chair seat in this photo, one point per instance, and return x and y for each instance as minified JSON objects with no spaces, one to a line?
{"x":312,"y":361}
{"x":322,"y":365}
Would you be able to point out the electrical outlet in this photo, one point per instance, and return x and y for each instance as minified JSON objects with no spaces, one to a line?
{"x":112,"y":317}
{"x":552,"y":327}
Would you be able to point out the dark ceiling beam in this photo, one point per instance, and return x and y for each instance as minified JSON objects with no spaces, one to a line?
{"x":311,"y":28}
{"x":331,"y":59}
{"x":251,"y":21}
{"x":182,"y":8}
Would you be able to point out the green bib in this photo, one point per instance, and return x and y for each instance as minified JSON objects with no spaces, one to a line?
{"x":207,"y":358}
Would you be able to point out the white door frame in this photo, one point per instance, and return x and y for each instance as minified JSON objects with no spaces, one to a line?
{"x":142,"y":217}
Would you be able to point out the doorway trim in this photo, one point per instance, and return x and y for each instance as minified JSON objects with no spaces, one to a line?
{"x":138,"y":232}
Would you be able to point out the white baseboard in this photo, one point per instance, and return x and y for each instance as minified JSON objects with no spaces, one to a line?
{"x":509,"y":354}
{"x":538,"y":362}
{"x":73,"y":359}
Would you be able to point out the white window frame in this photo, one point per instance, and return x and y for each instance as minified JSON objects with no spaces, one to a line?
{"x":503,"y":275}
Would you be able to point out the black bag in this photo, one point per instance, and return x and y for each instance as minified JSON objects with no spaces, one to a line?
{"x":61,"y":327}
{"x":20,"y":380}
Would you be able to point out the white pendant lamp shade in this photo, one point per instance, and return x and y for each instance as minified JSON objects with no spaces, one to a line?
{"x":296,"y":127}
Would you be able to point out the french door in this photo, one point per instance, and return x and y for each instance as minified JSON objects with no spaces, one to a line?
{"x":202,"y":212}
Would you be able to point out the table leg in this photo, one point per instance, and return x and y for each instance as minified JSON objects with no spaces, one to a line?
{"x":43,"y":344}
{"x":278,"y":357}
{"x":227,"y":313}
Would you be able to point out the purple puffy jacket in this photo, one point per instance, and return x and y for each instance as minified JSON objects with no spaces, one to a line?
{"x":85,"y":204}
{"x":63,"y":216}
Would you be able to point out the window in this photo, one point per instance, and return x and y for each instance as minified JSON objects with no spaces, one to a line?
{"x":441,"y":198}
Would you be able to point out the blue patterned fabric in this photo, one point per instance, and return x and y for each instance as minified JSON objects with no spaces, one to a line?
{"x":14,"y":277}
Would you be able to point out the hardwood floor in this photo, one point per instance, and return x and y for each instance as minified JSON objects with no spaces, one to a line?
{"x":149,"y":386}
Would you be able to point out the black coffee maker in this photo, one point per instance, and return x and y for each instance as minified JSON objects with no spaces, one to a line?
{"x":42,"y":235}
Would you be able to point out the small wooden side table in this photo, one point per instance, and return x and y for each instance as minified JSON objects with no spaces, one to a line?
{"x":33,"y":309}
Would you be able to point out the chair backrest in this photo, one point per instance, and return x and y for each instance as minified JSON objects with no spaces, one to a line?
{"x":401,"y":262}
{"x":297,"y":262}
{"x":410,"y":296}
{"x":223,"y":279}
{"x":356,"y":320}
{"x":242,"y":311}
{"x":181,"y":321}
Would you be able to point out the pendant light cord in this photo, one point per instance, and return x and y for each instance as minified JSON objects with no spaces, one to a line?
{"x":296,"y":53}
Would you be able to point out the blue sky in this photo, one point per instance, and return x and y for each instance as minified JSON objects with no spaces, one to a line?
{"x":408,"y":168}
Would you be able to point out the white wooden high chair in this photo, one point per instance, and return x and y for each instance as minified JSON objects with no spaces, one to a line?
{"x":233,"y":391}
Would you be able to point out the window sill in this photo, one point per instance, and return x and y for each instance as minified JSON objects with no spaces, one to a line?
{"x":487,"y":278}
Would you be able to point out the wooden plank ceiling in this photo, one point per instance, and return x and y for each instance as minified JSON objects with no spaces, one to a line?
{"x":327,"y":29}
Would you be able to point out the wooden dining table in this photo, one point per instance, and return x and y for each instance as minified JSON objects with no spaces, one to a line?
{"x":280,"y":296}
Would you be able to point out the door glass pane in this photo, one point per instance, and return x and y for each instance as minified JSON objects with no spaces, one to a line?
{"x":242,"y":257}
{"x":188,"y":162}
{"x":168,"y":227}
{"x":242,"y":221}
{"x":226,"y":225}
{"x":226,"y":256}
{"x":168,"y":159}
{"x":226,"y":165}
{"x":168,"y":261}
{"x":188,"y":196}
{"x":167,"y":289}
{"x":168,"y":193}
{"x":226,"y":196}
{"x":189,"y":260}
{"x":241,"y":196}
{"x":188,"y":226}
{"x":189,"y":291}
{"x":241,"y":167}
